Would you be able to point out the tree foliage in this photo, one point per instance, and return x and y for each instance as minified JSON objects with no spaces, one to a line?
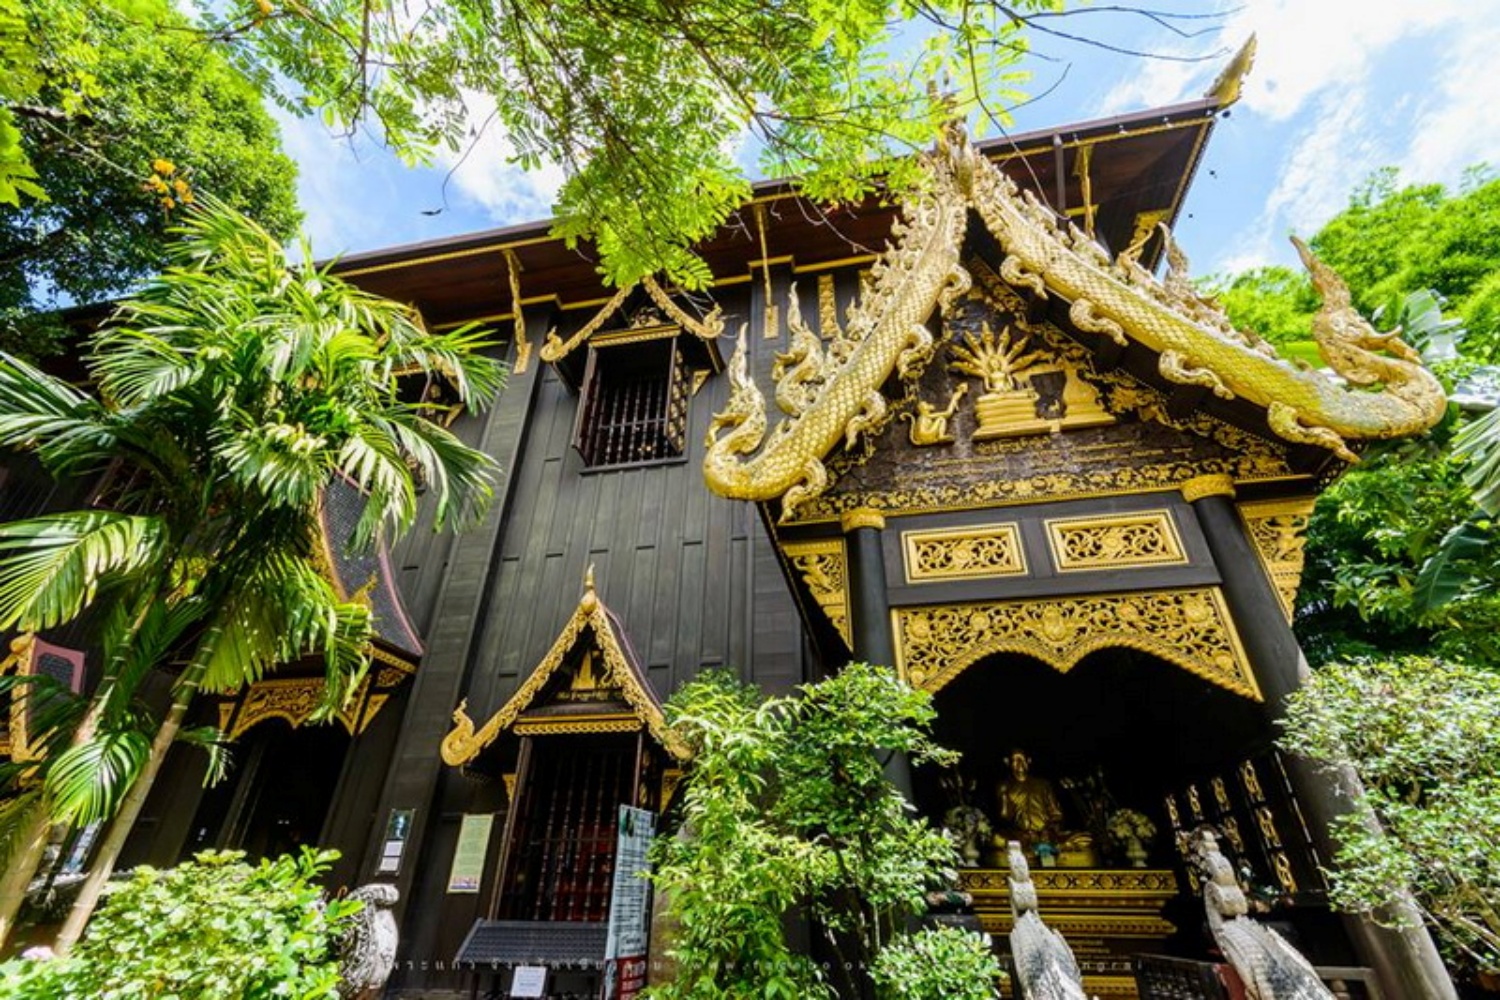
{"x":787,"y":811}
{"x":231,"y":392}
{"x":211,"y":927}
{"x":645,"y":106}
{"x":120,"y":112}
{"x":1424,"y":736}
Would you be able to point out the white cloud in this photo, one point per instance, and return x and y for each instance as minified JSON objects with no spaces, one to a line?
{"x":328,"y":171}
{"x":483,"y":172}
{"x":1304,"y":47}
{"x":1458,"y":124}
{"x":1327,"y":158}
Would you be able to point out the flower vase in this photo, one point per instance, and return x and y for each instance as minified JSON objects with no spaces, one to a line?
{"x":1135,"y":852}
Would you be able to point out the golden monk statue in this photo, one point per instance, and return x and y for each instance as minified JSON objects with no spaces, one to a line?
{"x":1029,"y":811}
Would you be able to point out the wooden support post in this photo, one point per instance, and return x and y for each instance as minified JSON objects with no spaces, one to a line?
{"x":1405,"y":960}
{"x":870,"y":612}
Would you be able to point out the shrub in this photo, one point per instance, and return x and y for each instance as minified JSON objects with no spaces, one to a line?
{"x":213,"y":928}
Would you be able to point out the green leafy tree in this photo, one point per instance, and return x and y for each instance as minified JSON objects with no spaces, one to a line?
{"x":126,"y":112}
{"x":1424,"y":736}
{"x":936,"y":963}
{"x":229,"y":394}
{"x":1392,"y":241}
{"x":786,"y":810}
{"x":645,"y":106}
{"x":1276,"y":302}
{"x":213,"y":927}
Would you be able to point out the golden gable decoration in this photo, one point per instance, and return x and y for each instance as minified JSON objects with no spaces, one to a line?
{"x":1279,"y":530}
{"x":1188,"y":627}
{"x":831,"y":393}
{"x":614,"y":671}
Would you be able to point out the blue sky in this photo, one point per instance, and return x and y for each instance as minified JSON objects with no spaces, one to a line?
{"x":1340,"y":87}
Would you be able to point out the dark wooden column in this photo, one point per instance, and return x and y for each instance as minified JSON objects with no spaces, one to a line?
{"x":870,"y":611}
{"x":1406,"y":961}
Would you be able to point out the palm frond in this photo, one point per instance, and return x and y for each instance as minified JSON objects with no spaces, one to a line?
{"x":135,"y":366}
{"x":62,"y":425}
{"x":458,"y":356}
{"x":1444,"y":575}
{"x":1479,"y":442}
{"x":51,"y":567}
{"x":52,"y":710}
{"x":213,"y":742}
{"x":86,"y":782}
{"x":462,"y":477}
{"x":372,"y":459}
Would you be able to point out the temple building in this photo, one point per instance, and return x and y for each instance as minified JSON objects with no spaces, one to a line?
{"x":976,"y":437}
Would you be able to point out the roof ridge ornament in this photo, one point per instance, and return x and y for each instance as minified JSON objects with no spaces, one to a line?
{"x":1227,"y":85}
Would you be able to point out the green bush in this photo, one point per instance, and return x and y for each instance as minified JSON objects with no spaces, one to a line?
{"x":1424,"y":736}
{"x":213,"y":928}
{"x":939,"y":963}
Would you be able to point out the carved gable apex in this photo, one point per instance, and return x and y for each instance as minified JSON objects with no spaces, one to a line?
{"x":587,"y":677}
{"x":1017,"y":410}
{"x":1161,"y":333}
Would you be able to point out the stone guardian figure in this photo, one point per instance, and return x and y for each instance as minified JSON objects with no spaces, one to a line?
{"x":1270,"y":968}
{"x":368,"y":952}
{"x":1045,"y":966}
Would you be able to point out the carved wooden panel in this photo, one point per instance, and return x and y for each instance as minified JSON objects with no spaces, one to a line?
{"x":967,"y":553}
{"x":1147,"y":538}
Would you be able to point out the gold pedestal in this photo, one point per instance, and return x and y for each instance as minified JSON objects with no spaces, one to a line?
{"x":1106,"y":914}
{"x":1009,"y":414}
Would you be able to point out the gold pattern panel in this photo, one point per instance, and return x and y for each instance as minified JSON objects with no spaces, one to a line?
{"x":967,"y":553}
{"x":1147,"y":538}
{"x":1190,"y":628}
{"x":821,"y":566}
{"x":1278,"y":528}
{"x":295,"y":700}
{"x":579,"y":725}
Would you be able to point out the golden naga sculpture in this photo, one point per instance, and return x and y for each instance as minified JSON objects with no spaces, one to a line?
{"x":1196,"y":343}
{"x":838,"y":397}
{"x":832,"y":395}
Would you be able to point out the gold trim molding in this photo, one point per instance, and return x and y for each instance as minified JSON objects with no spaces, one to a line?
{"x":861,"y":517}
{"x":1278,"y":529}
{"x":822,"y":564}
{"x":573,"y":726}
{"x":1215,"y":485}
{"x":1143,"y":538}
{"x":1189,"y":627}
{"x":968,"y":553}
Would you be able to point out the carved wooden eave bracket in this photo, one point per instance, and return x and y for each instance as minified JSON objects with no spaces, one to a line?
{"x":555,"y":348}
{"x":831,"y":393}
{"x":622,"y":670}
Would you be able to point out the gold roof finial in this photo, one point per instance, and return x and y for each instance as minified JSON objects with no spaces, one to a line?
{"x":589,"y":597}
{"x":1226,"y":86}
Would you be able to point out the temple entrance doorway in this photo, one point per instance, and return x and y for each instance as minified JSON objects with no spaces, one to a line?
{"x":1106,"y":746}
{"x":277,"y":794}
{"x":1146,"y":726}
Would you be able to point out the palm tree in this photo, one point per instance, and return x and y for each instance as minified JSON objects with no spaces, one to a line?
{"x":227,"y":395}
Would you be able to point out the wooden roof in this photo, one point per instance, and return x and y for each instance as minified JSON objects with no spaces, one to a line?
{"x":1137,"y":163}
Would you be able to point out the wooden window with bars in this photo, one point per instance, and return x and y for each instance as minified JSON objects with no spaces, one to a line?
{"x":634,"y":404}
